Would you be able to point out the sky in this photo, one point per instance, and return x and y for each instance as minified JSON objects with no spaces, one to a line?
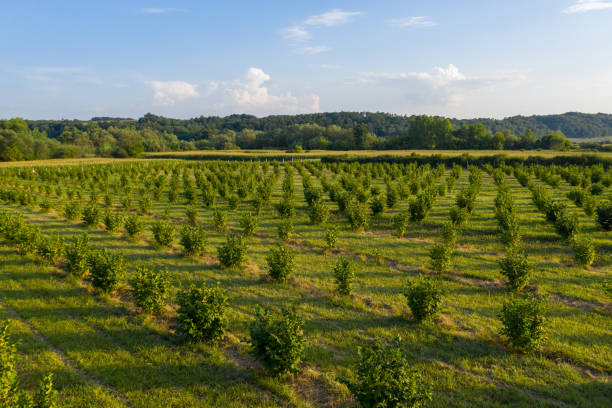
{"x":182,"y":59}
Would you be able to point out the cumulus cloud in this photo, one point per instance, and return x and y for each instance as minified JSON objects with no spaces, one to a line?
{"x":251,"y":95}
{"x":442,"y":85}
{"x":254,"y":93}
{"x":582,"y":6}
{"x":332,"y":18}
{"x":170,"y":92}
{"x":419,"y":21}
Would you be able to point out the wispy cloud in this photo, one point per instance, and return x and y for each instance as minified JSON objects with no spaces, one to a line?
{"x":582,"y":6}
{"x":152,"y":10}
{"x":170,"y":92}
{"x":295,"y":33}
{"x":298,"y":34}
{"x":329,"y":66}
{"x":312,"y":50}
{"x":418,"y":21}
{"x":332,"y":18}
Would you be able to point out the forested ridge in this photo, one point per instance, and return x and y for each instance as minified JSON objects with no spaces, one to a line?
{"x":122,"y":137}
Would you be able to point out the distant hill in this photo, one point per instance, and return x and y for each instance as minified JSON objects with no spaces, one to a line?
{"x":574,"y":125}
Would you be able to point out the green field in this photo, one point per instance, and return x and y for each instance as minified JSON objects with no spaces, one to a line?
{"x":104,"y":352}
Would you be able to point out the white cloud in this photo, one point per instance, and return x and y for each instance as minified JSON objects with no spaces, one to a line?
{"x":332,"y":18}
{"x":312,"y":49}
{"x":251,"y":95}
{"x":419,"y":21}
{"x":170,"y":92}
{"x":295,"y":33}
{"x":440,"y":86}
{"x":582,"y":6}
{"x":152,"y":10}
{"x":439,"y":77}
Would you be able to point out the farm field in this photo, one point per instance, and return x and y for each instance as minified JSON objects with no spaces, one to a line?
{"x":372,"y":153}
{"x":105,"y":351}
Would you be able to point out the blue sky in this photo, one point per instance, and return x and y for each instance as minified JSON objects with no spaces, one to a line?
{"x":78,"y":59}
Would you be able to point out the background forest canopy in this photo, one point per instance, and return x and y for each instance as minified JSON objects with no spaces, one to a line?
{"x":117,"y":137}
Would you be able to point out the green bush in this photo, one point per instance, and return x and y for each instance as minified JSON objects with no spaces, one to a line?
{"x":596,"y":189}
{"x":108,"y":200}
{"x":163,"y":233}
{"x":318,"y":212}
{"x":511,"y":235}
{"x":604,"y":215}
{"x":233,"y":201}
{"x":201,"y":314}
{"x":589,"y":205}
{"x":400,"y":224}
{"x":517,"y":269}
{"x":392,"y":196}
{"x":149,"y":288}
{"x":72,"y":210}
{"x":192,"y":215}
{"x":77,"y":256}
{"x":458,"y":215}
{"x":384,"y":379}
{"x":554,"y":210}
{"x":358,"y":216}
{"x":567,"y":225}
{"x":331,"y":238}
{"x":285,"y":229}
{"x":278,"y":341}
{"x":423,"y":295}
{"x":220,"y":219}
{"x":45,"y":205}
{"x":418,"y":208}
{"x":248,"y":223}
{"x":91,"y":215}
{"x":27,"y":239}
{"x":133,"y":226}
{"x":106,"y":269}
{"x":344,"y":271}
{"x":449,"y":233}
{"x":10,"y":394}
{"x":112,"y":222}
{"x":126,"y":202}
{"x":286,"y":207}
{"x":377,"y":205}
{"x":145,"y":204}
{"x":233,"y":252}
{"x":584,"y":250}
{"x":281,"y":263}
{"x":51,"y":248}
{"x":193,"y":239}
{"x":440,"y":257}
{"x":523,"y":320}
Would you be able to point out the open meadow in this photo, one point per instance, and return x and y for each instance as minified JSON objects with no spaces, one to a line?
{"x":101,"y":262}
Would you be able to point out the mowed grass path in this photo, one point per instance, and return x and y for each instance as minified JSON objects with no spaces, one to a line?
{"x":104,"y":354}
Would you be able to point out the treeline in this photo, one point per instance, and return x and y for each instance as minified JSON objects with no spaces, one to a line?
{"x":19,"y":141}
{"x":119,"y":137}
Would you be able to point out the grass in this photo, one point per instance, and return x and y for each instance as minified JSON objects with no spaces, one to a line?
{"x":104,"y":353}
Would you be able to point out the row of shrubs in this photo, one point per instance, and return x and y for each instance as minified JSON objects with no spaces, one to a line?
{"x":465,"y":202}
{"x":566,"y":222}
